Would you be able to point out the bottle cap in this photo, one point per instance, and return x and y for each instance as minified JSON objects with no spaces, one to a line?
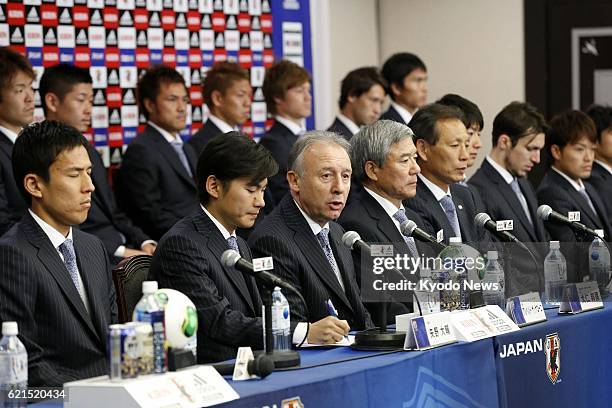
{"x":600,"y":233}
{"x":149,"y":287}
{"x":554,"y":245}
{"x":277,"y":288}
{"x":9,"y":329}
{"x":491,"y":254}
{"x":454,"y":240}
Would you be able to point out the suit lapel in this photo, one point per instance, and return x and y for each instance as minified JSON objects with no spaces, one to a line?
{"x":532,"y":204}
{"x":579,"y":201}
{"x":599,"y":207}
{"x":309,"y":245}
{"x":51,"y":260}
{"x":170,"y":155}
{"x":462,"y":216}
{"x":6,"y":146}
{"x":438,"y":213}
{"x":98,"y":174}
{"x":217,"y":245}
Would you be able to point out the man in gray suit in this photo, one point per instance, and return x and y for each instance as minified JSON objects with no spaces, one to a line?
{"x":55,"y":280}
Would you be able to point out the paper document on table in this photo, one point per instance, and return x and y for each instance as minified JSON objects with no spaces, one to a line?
{"x":345,"y":342}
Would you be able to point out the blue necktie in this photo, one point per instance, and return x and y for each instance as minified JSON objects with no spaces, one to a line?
{"x":67,"y":250}
{"x":178,"y":148}
{"x":584,"y":194}
{"x":451,"y":214}
{"x":232,"y":243}
{"x":519,"y":194}
{"x":323,"y":237}
{"x":400,"y":216}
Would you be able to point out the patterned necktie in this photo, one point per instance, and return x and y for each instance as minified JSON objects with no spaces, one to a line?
{"x":400,"y":216}
{"x":585,"y":195}
{"x":67,"y":250}
{"x":451,"y":214}
{"x":178,"y":148}
{"x":519,"y":194}
{"x":232,"y":243}
{"x":323,"y":237}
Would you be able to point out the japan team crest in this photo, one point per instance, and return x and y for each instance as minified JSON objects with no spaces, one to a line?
{"x":553,"y":356}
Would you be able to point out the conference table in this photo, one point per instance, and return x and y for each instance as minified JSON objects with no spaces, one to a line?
{"x":506,"y":371}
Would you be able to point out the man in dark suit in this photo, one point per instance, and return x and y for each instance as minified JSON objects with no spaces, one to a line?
{"x":518,"y":136}
{"x":362,"y":94}
{"x":55,"y":280}
{"x":571,"y":143}
{"x":601,"y":174}
{"x":286,"y":89}
{"x":406,"y":77}
{"x":156,"y":184}
{"x":383,"y":159}
{"x":441,"y":142}
{"x":227,"y":93}
{"x":67,"y":94}
{"x":16,"y":111}
{"x":305,"y":242}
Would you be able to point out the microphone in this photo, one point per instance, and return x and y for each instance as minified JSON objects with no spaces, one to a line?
{"x":545,"y":213}
{"x":261,"y":366}
{"x":483,"y":220}
{"x":231,"y":258}
{"x":410,"y":229}
{"x":352,"y":240}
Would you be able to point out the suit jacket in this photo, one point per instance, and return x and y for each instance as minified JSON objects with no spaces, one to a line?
{"x":340,"y":128}
{"x":299,"y":259}
{"x":203,"y":136}
{"x":601,"y":179}
{"x":63,"y":341}
{"x":368,"y":218}
{"x":155,"y":189}
{"x":104,"y":219}
{"x":12,"y":204}
{"x":501,"y":203}
{"x":561,"y":196}
{"x":279,"y":140}
{"x":188,"y":259}
{"x":392,"y":114}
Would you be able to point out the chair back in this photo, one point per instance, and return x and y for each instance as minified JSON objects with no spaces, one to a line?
{"x":128,"y":276}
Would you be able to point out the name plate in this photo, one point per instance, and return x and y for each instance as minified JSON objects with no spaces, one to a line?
{"x":480,"y":323}
{"x":504,"y":225}
{"x":440,"y":236}
{"x":263,"y":264}
{"x":526,"y":309}
{"x":426,"y":332}
{"x":573,"y":216}
{"x":581,"y":297}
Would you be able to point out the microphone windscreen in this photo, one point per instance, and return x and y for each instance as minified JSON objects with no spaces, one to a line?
{"x":407,"y":227}
{"x":544,"y":212}
{"x":349,"y":238}
{"x":481,"y":219}
{"x":261,"y":366}
{"x":229,"y":258}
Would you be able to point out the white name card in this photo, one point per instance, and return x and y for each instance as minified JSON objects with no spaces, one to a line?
{"x":263,"y":264}
{"x":504,"y":225}
{"x":482,"y":322}
{"x":526,"y":309}
{"x":581,"y":297}
{"x":573,"y":215}
{"x":429,"y":331}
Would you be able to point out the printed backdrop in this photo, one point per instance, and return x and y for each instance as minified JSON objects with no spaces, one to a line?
{"x":118,"y":39}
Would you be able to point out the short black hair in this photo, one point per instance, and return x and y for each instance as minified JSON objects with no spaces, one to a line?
{"x":37,"y":148}
{"x":358,"y":82}
{"x":230,"y":156}
{"x":568,"y":127}
{"x":398,"y":66}
{"x":149,"y":84}
{"x":517,"y":120}
{"x":602,"y":116}
{"x":60,"y":79}
{"x":471,"y":112}
{"x":424,"y":121}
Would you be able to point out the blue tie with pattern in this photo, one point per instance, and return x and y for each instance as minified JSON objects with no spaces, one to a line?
{"x":323,"y":237}
{"x":232,"y":243}
{"x":67,"y":250}
{"x":519,"y":194}
{"x":178,"y":148}
{"x":400,"y":216}
{"x":451,"y":214}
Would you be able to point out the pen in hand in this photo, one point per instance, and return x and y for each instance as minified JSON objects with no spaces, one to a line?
{"x":331,"y":310}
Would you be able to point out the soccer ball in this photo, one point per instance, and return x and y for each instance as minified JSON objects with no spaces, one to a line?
{"x":181,"y":317}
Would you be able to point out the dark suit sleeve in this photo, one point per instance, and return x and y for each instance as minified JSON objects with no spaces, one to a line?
{"x":184,"y":267}
{"x":7,"y":218}
{"x":19,"y":286}
{"x":277,"y":184}
{"x":141,"y":185}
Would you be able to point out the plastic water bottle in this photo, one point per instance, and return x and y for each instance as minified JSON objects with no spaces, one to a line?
{"x":149,"y":310}
{"x":281,"y":327}
{"x":555,"y":274}
{"x":493,"y":282}
{"x":13,"y":368}
{"x":599,"y":262}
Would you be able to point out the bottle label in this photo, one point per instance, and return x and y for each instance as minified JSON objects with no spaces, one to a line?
{"x":13,"y":368}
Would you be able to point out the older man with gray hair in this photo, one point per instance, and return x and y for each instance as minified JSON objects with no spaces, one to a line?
{"x":305,"y":242}
{"x":383,"y":159}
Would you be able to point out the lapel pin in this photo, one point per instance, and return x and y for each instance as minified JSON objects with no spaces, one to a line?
{"x":460,"y":207}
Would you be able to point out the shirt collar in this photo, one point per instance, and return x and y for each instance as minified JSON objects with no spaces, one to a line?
{"x":508,"y":178}
{"x":316,"y":228}
{"x":56,"y":237}
{"x":219,"y":226}
{"x":604,"y":165}
{"x":169,"y":138}
{"x":291,"y":125}
{"x":407,"y":116}
{"x":9,"y":133}
{"x":437,"y":191}
{"x":387,"y":205}
{"x":577,"y":185}
{"x":223,"y":126}
{"x":352,"y":126}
